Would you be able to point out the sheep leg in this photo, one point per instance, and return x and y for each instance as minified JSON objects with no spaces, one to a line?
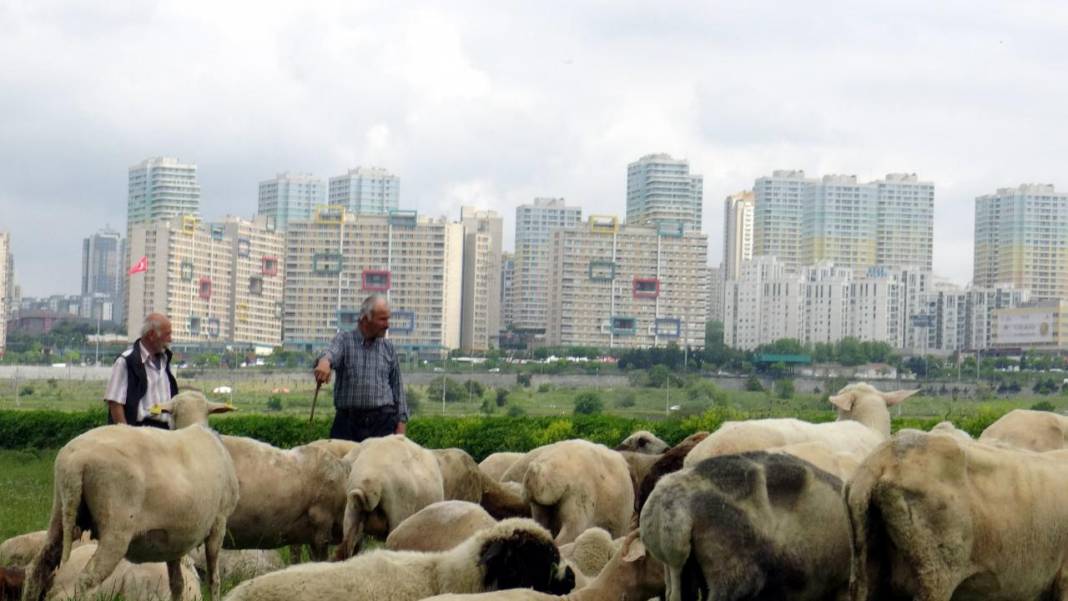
{"x":109,"y":552}
{"x":353,"y":533}
{"x":296,"y":554}
{"x":174,"y":579}
{"x":673,"y":583}
{"x":42,"y":569}
{"x":212,"y":546}
{"x":319,"y":551}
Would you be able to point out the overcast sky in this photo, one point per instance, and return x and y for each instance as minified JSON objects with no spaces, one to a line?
{"x":494,"y":103}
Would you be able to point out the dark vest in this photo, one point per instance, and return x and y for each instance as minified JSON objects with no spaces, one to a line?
{"x":137,"y":382}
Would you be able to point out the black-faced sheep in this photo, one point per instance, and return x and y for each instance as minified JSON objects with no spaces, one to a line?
{"x":514,"y":553}
{"x":145,"y":494}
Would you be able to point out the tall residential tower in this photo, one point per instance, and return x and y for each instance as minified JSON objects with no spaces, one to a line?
{"x":366,"y":190}
{"x":291,"y":197}
{"x":530,"y":287}
{"x":660,"y":188}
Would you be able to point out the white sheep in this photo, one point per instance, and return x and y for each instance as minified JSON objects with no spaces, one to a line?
{"x":590,"y":551}
{"x":146,"y":494}
{"x":630,"y":574}
{"x":335,"y":446}
{"x":495,"y":464}
{"x":129,"y":580}
{"x":573,"y":485}
{"x":863,"y":423}
{"x":643,"y":441}
{"x":288,"y":497}
{"x":390,"y":479}
{"x":20,"y":550}
{"x":240,"y":564}
{"x":439,"y":527}
{"x":460,"y":476}
{"x":512,"y":553}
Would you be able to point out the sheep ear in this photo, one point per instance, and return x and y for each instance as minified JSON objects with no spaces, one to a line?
{"x":633,"y":549}
{"x":214,"y":407}
{"x":893,"y":398}
{"x":843,"y":401}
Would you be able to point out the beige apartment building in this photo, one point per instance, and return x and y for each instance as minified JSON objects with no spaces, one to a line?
{"x":219,"y":283}
{"x":339,"y":258}
{"x":627,"y":286}
{"x":5,"y":287}
{"x":483,"y":239}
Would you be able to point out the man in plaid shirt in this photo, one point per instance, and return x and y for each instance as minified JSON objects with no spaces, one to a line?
{"x":369,"y":395}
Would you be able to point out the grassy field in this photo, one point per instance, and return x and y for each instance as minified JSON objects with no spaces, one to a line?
{"x":26,"y":482}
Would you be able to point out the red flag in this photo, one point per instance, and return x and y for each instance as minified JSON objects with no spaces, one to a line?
{"x":139,"y":266}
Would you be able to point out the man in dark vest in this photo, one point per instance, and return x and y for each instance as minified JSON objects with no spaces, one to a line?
{"x":141,"y":377}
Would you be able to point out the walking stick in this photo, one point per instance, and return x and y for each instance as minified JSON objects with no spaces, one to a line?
{"x":315,"y":398}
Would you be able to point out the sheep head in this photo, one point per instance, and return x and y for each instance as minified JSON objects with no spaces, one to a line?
{"x":517,"y":553}
{"x":190,"y":408}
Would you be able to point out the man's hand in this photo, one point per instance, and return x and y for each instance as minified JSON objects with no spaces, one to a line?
{"x":322,"y":371}
{"x":117,"y":413}
{"x":402,"y":427}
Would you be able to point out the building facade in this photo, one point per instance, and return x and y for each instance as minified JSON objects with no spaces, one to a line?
{"x":339,"y":258}
{"x":533,"y":225}
{"x":103,"y":258}
{"x":290,"y":197}
{"x":6,"y":284}
{"x":613,"y":286}
{"x":661,"y":188}
{"x":161,"y":188}
{"x":483,"y":239}
{"x":366,"y":190}
{"x":201,"y":275}
{"x":1038,"y":325}
{"x":507,"y":281}
{"x":716,"y":287}
{"x":1021,"y":238}
{"x":737,"y":232}
{"x":805,"y":221}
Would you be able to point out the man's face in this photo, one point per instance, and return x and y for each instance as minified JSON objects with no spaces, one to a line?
{"x":155,"y":341}
{"x":378,"y":322}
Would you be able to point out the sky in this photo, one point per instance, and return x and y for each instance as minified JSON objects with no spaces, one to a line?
{"x":492,"y":104}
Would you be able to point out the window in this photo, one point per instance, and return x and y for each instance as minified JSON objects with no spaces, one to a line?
{"x":255,"y":285}
{"x":243,"y":247}
{"x":375,"y":280}
{"x":269,"y":266}
{"x":204,"y":289}
{"x":187,"y":271}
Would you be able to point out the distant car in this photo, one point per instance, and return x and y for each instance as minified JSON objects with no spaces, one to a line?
{"x":438,"y":369}
{"x":222,"y":390}
{"x":494,"y":370}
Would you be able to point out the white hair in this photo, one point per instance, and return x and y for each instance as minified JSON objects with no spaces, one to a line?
{"x":368,"y":305}
{"x":154,"y":322}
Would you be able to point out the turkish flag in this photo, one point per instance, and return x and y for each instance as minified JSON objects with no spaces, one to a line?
{"x":139,"y":266}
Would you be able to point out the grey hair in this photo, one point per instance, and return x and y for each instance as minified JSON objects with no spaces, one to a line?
{"x":368,"y":305}
{"x":153,"y":323}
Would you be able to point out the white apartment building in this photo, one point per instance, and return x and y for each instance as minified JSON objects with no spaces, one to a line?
{"x":1037,"y":325}
{"x":805,"y":221}
{"x":483,"y":239}
{"x":507,"y":282}
{"x":6,"y":284}
{"x":258,"y":267}
{"x":763,"y":304}
{"x":629,"y":286}
{"x":370,"y":190}
{"x":661,"y":188}
{"x":826,"y":303}
{"x":1021,"y":238}
{"x":715,"y":293}
{"x":530,"y":290}
{"x":339,"y":258}
{"x":290,"y":197}
{"x":161,"y":188}
{"x":219,"y":283}
{"x":737,"y":232}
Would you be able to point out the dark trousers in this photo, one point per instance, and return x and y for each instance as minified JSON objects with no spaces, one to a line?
{"x":360,"y":424}
{"x":153,"y":423}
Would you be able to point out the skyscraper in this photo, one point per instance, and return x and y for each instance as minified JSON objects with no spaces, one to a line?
{"x":103,"y":255}
{"x":737,"y":233}
{"x":660,"y":188}
{"x":533,"y":225}
{"x":291,"y":197}
{"x":888,"y":222}
{"x":5,"y":287}
{"x":366,"y":190}
{"x":1021,"y":238}
{"x":481,"y":319}
{"x":161,"y":188}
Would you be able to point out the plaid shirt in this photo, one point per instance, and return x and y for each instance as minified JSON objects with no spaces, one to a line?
{"x":368,"y":376}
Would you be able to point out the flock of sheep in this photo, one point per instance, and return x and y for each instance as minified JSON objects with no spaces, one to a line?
{"x":758,"y":510}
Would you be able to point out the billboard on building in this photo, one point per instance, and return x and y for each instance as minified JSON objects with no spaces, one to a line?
{"x":1016,"y":327}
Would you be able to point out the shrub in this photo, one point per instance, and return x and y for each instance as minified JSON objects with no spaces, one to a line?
{"x":752,"y":384}
{"x":454,"y":391}
{"x":473,"y":388}
{"x":546,"y":387}
{"x":487,"y":407}
{"x":502,"y":397}
{"x":784,"y":389}
{"x":523,"y":380}
{"x":629,"y":399}
{"x":1043,"y":406}
{"x":274,"y":403}
{"x":588,"y":403}
{"x":516,"y":411}
{"x":414,"y":397}
{"x":26,"y":390}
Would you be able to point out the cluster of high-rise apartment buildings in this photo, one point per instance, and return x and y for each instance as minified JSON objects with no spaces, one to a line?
{"x":815,"y":259}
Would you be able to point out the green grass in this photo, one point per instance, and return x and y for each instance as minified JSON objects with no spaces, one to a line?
{"x":26,"y":482}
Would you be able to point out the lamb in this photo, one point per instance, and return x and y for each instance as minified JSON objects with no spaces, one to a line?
{"x":460,"y":475}
{"x":643,"y":441}
{"x":574,"y":485}
{"x":496,"y":464}
{"x":288,"y":497}
{"x":20,"y":550}
{"x":754,"y":525}
{"x":240,"y":564}
{"x":128,"y":580}
{"x":1027,"y":429}
{"x":632,"y":573}
{"x":591,"y":551}
{"x":863,"y":423}
{"x":514,"y":553}
{"x":145,"y":494}
{"x":439,"y":527}
{"x":390,"y":479}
